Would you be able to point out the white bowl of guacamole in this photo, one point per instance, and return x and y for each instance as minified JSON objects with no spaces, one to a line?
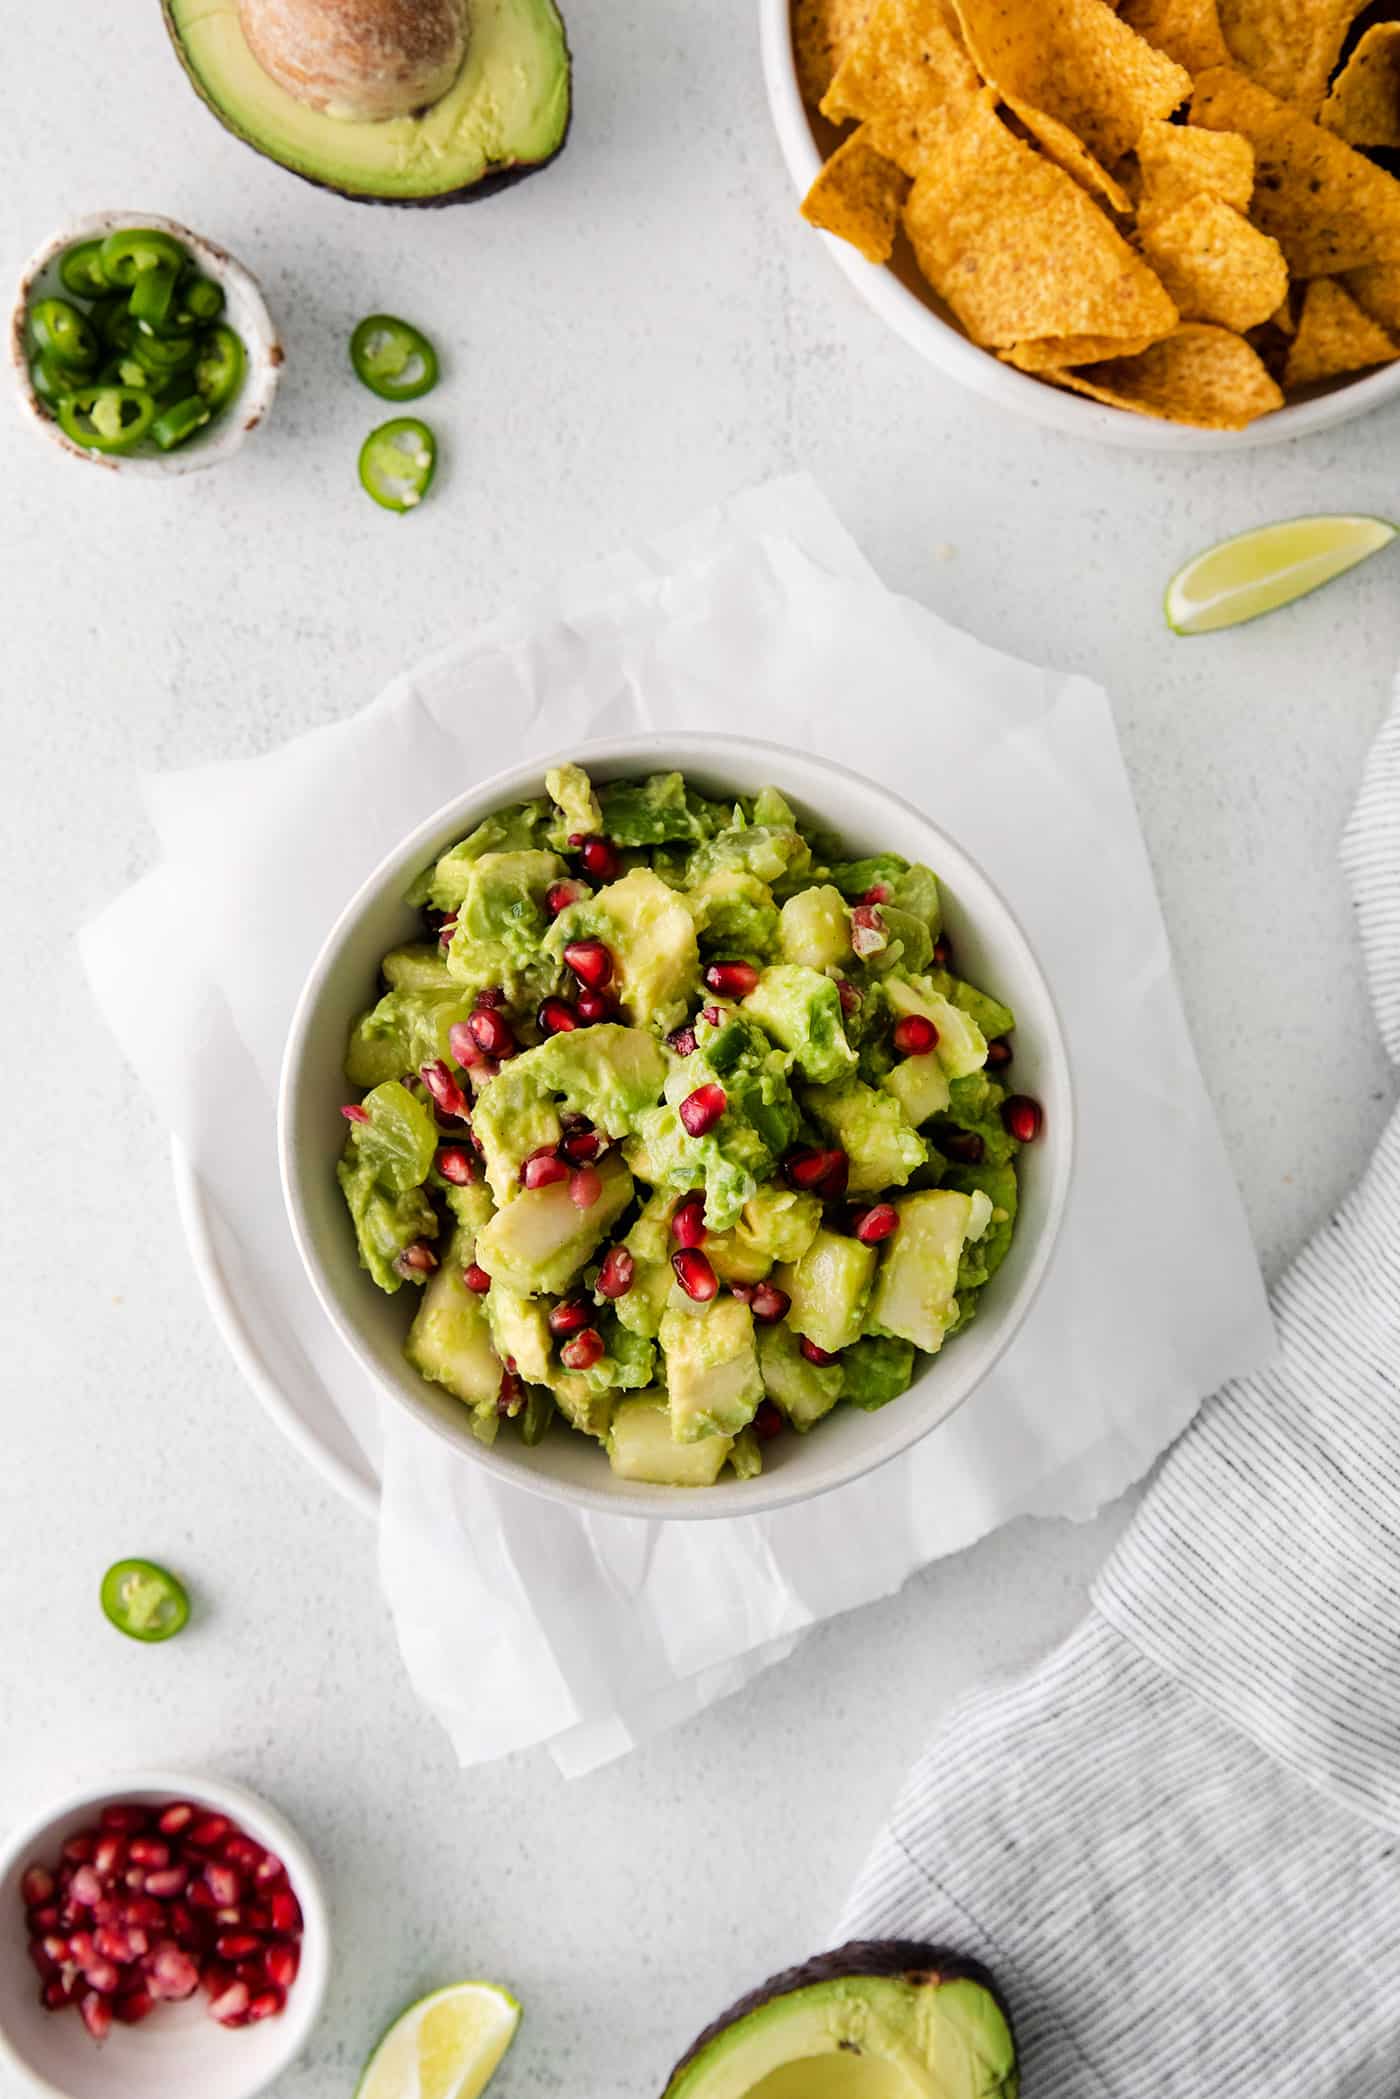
{"x":677,"y":1126}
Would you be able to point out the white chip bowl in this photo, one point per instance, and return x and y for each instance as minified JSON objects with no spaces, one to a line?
{"x":245,"y":310}
{"x":991,"y":948}
{"x":178,"y":2052}
{"x":899,"y":295}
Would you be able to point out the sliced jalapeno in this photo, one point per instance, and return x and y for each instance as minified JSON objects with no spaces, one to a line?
{"x":178,"y":423}
{"x":218,"y":371}
{"x":144,"y":1601}
{"x":198,"y":302}
{"x":153,"y":297}
{"x":106,"y":418}
{"x":111,"y":317}
{"x":80,"y":270}
{"x":133,"y":250}
{"x":397,"y":463}
{"x":59,"y":331}
{"x":49,"y":380}
{"x":393,"y":358}
{"x":160,"y":353}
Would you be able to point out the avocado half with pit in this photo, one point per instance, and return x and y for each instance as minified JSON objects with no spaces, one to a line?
{"x":877,"y":2019}
{"x":385,"y":101}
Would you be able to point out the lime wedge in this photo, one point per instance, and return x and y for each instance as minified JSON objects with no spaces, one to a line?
{"x":1259,"y":571}
{"x":446,"y":2046}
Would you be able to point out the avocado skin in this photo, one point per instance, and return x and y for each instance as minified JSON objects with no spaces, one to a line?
{"x":909,"y":1958}
{"x":485,"y":186}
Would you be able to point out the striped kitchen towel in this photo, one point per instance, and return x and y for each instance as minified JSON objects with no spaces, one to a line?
{"x":1177,"y":1841}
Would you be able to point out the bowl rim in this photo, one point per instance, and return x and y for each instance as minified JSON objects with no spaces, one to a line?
{"x":979,"y":370}
{"x":770,"y":1492}
{"x":252,"y":1812}
{"x":262,"y":343}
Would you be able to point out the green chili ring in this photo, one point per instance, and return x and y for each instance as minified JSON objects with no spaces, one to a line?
{"x":80,"y":270}
{"x":59,"y":331}
{"x":398,"y":462}
{"x":393,"y":358}
{"x":106,"y":418}
{"x":177,"y":424}
{"x":219,"y":367}
{"x":144,"y":1601}
{"x":132,"y":250}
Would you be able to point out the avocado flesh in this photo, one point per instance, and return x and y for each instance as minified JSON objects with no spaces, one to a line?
{"x":506,"y":113}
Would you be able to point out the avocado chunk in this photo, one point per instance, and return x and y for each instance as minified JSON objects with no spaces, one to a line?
{"x":405,"y":1030}
{"x":876,"y":2019}
{"x":654,"y":811}
{"x":450,"y":1342}
{"x":814,"y":928}
{"x":712,"y":1369}
{"x":578,"y":814}
{"x":916,"y":1292}
{"x":650,"y":935}
{"x":520,"y":1329}
{"x":381,"y":1172}
{"x":741,"y":1150}
{"x":609,"y":1073}
{"x":830,"y":1288}
{"x":801,"y":1010}
{"x":920,"y":1085}
{"x":873,"y":1131}
{"x":804,"y":1391}
{"x":538,"y":1243}
{"x":962,"y":1047}
{"x":521,"y":827}
{"x":501,"y":924}
{"x":735,"y":915}
{"x":641,"y":1446}
{"x":991,"y":1016}
{"x":504,"y":113}
{"x":419,"y":967}
{"x":875,"y":1370}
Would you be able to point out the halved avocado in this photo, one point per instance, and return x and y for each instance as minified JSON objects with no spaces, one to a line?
{"x":504,"y":115}
{"x":876,"y":2019}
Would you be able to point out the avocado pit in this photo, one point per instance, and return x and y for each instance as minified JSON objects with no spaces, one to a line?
{"x":364,"y":61}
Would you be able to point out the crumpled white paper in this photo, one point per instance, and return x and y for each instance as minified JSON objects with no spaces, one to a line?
{"x":521,"y":1622}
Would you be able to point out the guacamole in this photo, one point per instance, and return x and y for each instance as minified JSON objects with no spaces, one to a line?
{"x":678,"y":1126}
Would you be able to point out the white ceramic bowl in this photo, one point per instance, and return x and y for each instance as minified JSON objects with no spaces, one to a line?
{"x":245,"y":311}
{"x":345,"y":980}
{"x":900,"y":296}
{"x":178,"y":2052}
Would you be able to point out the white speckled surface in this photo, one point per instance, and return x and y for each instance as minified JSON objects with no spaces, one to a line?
{"x":636,"y":332}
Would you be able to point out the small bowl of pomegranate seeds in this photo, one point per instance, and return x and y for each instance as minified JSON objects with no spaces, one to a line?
{"x":162,"y":1937}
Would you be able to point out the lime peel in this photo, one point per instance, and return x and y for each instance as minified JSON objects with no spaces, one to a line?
{"x":1256,"y":572}
{"x":447,"y":2045}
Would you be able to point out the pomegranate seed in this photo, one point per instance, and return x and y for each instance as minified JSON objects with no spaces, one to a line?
{"x":134,"y":1877}
{"x":286,"y":1913}
{"x":820,"y":1356}
{"x":37,"y":1886}
{"x":543,"y":1167}
{"x":133,"y":2006}
{"x":416,"y":1259}
{"x":45,"y":1918}
{"x":701,"y":1110}
{"x":570,"y":1316}
{"x":476,"y":1279}
{"x":590,"y":962}
{"x":171,"y":1973}
{"x":601,"y":858}
{"x":509,"y":1400}
{"x":769,"y":1304}
{"x":492,"y":1033}
{"x":125,"y":1816}
{"x":456,"y":1166}
{"x":225,"y":1883}
{"x":822,"y":1173}
{"x":110,"y":1856}
{"x":149,"y":1851}
{"x":271,"y":1869}
{"x":57,"y":1994}
{"x":768,"y":1422}
{"x":694,"y":1274}
{"x":138,"y":1940}
{"x":237,"y":1945}
{"x":281,"y":1963}
{"x":491,"y":996}
{"x":877,"y":893}
{"x":556,"y":1017}
{"x":96,"y":2015}
{"x":86,"y":1887}
{"x":999,"y":1054}
{"x":868,"y":935}
{"x":876,"y":1224}
{"x":175,"y":1819}
{"x":42,"y":1961}
{"x":713,"y":1016}
{"x":449,"y":1097}
{"x":581,"y":1143}
{"x":561,"y":894}
{"x":942,"y":953}
{"x":682,"y":1041}
{"x":113,"y":1944}
{"x":200,"y":1896}
{"x":594,"y":1006}
{"x":103,"y":1975}
{"x":617,"y":1274}
{"x":915,"y":1035}
{"x":354,"y":1113}
{"x":586,"y":1348}
{"x":849,"y":997}
{"x":743,"y":1291}
{"x":1022,"y":1117}
{"x":58,"y":1949}
{"x":256,"y":1917}
{"x":688,"y":1220}
{"x":731,"y":979}
{"x":79,"y":1849}
{"x":963,"y":1147}
{"x":266,"y":2005}
{"x":585,"y":1187}
{"x":143,"y":1912}
{"x":214,"y":1978}
{"x":231,"y":2004}
{"x":465,"y":1048}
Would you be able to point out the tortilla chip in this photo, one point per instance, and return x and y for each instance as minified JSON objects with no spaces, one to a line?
{"x":1216,"y":266}
{"x":1283,"y":318}
{"x":1054,"y":352}
{"x":1364,"y":105}
{"x":1199,"y":375}
{"x":858,"y":196}
{"x":1077,"y":61}
{"x":1377,"y":290}
{"x":1288,"y":46}
{"x":1016,"y":248}
{"x":823,"y":31}
{"x":1334,"y":336}
{"x":1178,"y":162}
{"x":1068,"y":153}
{"x":1187,"y":30}
{"x":905,"y":75}
{"x":1327,"y":207}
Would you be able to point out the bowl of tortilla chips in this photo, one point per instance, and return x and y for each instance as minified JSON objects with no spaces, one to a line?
{"x":1170,"y":224}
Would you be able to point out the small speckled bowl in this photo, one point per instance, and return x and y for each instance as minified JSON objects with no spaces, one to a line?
{"x":245,"y":311}
{"x":179,"y":2051}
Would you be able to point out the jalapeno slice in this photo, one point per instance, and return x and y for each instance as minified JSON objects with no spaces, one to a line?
{"x":133,"y":250}
{"x":393,"y":358}
{"x":111,"y":317}
{"x":160,"y":353}
{"x":178,"y":423}
{"x":144,"y":1601}
{"x":49,"y":380}
{"x":218,"y":371}
{"x":80,"y":270}
{"x":153,"y":296}
{"x":199,"y":301}
{"x":106,"y":418}
{"x":59,"y":331}
{"x":397,"y":463}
